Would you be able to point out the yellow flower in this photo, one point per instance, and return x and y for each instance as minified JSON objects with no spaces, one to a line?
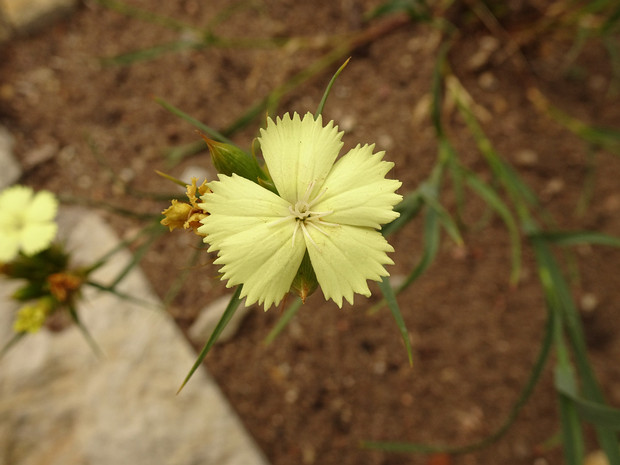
{"x":26,"y":221}
{"x":330,"y":209}
{"x":184,"y":215}
{"x":31,"y":317}
{"x":176,"y":215}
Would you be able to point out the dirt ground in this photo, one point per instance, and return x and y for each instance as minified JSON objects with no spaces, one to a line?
{"x":337,"y":377}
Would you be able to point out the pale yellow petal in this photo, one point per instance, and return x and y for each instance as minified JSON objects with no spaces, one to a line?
{"x":299,"y":152}
{"x":14,"y":200}
{"x":252,"y":231}
{"x":9,"y":246}
{"x":345,"y":257}
{"x":43,"y":207}
{"x":357,"y":191}
{"x":35,"y":237}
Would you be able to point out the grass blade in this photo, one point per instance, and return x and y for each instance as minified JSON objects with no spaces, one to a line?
{"x":319,"y":110}
{"x":568,"y":238}
{"x":559,"y":297}
{"x":493,"y":200}
{"x":390,"y":298}
{"x":231,"y":308}
{"x":214,"y":134}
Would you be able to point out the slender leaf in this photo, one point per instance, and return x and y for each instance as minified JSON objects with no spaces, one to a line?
{"x":431,"y":246}
{"x":390,"y":298}
{"x":430,"y":198}
{"x":152,"y":52}
{"x":493,"y":200}
{"x":569,"y":238}
{"x":214,"y":134}
{"x":319,"y":110}
{"x":84,"y":330}
{"x":10,"y":343}
{"x":231,"y":308}
{"x":559,"y":298}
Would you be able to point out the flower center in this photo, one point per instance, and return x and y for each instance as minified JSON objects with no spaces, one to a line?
{"x":306,"y":217}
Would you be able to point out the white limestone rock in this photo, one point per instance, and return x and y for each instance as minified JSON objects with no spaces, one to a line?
{"x":60,"y":405}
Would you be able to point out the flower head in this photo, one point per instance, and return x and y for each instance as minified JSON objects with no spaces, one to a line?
{"x":331,"y":209}
{"x":26,"y":221}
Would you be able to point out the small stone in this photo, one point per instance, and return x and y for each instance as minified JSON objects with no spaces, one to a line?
{"x":11,"y":170}
{"x":308,"y":454}
{"x":422,"y":110}
{"x":291,"y":396}
{"x":526,"y":158}
{"x":379,"y":367}
{"x":209,"y":317}
{"x":612,"y":203}
{"x":28,"y":16}
{"x":553,"y":187}
{"x":487,"y":46}
{"x":487,"y":81}
{"x":385,"y":142}
{"x":588,"y":302}
{"x":195,"y":171}
{"x":40,"y":155}
{"x":347,"y":123}
{"x":127,"y":174}
{"x":597,"y":457}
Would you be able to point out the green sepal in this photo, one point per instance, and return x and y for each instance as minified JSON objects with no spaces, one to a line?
{"x":31,"y":290}
{"x":229,"y":159}
{"x":39,"y":266}
{"x":305,"y":283}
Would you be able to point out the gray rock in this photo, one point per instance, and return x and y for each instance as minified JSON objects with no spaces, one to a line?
{"x":11,"y":171}
{"x":25,"y":16}
{"x":59,"y":404}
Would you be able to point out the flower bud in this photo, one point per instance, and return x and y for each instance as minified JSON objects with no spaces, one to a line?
{"x":229,"y":159}
{"x":31,"y":317}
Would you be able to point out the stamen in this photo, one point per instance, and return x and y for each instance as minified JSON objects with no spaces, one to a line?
{"x":295,"y":232}
{"x":307,"y":234}
{"x":308,"y":192}
{"x":318,"y":197}
{"x":281,"y":220}
{"x":314,"y":225}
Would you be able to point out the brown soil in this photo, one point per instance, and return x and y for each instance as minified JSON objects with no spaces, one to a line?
{"x":337,"y":377}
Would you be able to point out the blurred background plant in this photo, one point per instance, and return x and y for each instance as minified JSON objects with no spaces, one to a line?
{"x":51,"y":285}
